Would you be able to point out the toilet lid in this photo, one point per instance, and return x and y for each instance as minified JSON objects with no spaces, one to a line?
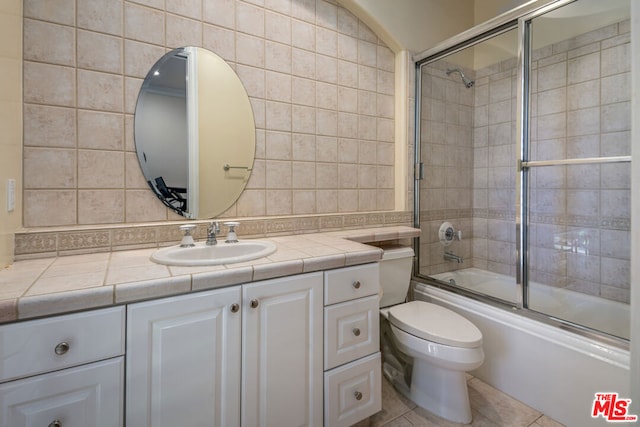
{"x":435,"y":323}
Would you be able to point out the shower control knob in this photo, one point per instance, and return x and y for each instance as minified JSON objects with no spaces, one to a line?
{"x":255,"y":303}
{"x":235,"y":308}
{"x":356,"y":284}
{"x":356,"y":332}
{"x":357,"y":395}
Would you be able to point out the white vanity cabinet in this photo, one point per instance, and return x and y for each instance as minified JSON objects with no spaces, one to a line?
{"x":282,"y":352}
{"x":200,"y":359}
{"x":352,"y":363}
{"x":63,"y":371}
{"x":183,"y":364}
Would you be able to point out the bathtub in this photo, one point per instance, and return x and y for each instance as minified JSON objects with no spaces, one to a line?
{"x":548,"y":368}
{"x":601,"y":314}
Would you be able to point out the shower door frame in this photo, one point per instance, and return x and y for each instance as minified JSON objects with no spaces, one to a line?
{"x":519,"y":18}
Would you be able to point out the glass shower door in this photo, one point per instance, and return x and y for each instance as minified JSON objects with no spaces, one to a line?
{"x":468,"y":146}
{"x":576,"y":163}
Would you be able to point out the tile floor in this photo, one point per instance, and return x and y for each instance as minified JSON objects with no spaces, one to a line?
{"x":490,"y":407}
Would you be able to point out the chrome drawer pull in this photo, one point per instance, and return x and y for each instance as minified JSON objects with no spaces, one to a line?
{"x":356,"y":332}
{"x":55,"y":423}
{"x":235,"y":308}
{"x":356,"y":284}
{"x":357,"y":395}
{"x":255,"y":303}
{"x":61,"y":349}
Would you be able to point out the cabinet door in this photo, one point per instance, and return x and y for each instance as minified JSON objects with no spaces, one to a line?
{"x":282,"y":352}
{"x":86,"y":396}
{"x":183,"y":365}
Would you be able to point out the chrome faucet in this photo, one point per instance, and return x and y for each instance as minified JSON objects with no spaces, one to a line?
{"x":212,"y":230}
{"x":450,"y":256}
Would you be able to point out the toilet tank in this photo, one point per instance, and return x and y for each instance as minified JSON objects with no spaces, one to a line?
{"x":395,"y":274}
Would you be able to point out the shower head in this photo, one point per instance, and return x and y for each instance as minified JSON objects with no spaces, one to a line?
{"x":467,"y":82}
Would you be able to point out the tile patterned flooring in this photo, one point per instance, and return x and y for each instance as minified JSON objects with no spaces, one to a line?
{"x":490,"y":408}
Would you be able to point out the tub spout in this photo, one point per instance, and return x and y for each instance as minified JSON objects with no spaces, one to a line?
{"x":450,"y":256}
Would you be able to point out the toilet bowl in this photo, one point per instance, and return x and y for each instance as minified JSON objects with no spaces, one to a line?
{"x":434,"y":344}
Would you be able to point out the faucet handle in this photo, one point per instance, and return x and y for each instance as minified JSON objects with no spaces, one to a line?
{"x":214,"y":227}
{"x":231,"y":235}
{"x":187,"y":238}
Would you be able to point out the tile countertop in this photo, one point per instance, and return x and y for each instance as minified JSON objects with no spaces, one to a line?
{"x":49,"y":286}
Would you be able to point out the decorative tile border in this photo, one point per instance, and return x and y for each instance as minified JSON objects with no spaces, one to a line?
{"x":608,"y":223}
{"x":34,"y":244}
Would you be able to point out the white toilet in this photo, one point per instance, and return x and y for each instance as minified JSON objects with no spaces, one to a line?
{"x":431,"y":347}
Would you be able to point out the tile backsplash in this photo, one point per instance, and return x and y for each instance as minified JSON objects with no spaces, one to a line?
{"x":320,"y":82}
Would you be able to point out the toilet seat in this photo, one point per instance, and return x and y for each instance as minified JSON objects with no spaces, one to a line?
{"x":434,"y":323}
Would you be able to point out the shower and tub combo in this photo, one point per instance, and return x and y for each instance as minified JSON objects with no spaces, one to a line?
{"x":523,"y":131}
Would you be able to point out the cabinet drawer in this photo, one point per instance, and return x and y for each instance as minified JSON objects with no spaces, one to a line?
{"x":353,"y":392}
{"x":38,"y":346}
{"x":352,"y":331}
{"x":348,"y":283}
{"x":88,"y":396}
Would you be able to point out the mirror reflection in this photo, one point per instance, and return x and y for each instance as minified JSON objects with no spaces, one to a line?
{"x":194,"y":132}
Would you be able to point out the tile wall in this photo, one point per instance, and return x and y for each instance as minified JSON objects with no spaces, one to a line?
{"x":580,"y":215}
{"x":321,"y":85}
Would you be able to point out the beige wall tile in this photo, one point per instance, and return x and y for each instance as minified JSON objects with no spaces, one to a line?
{"x":100,"y":15}
{"x":183,"y":32}
{"x":51,"y":43}
{"x":278,"y":57}
{"x":219,"y":40}
{"x":111,"y":135}
{"x":49,"y":207}
{"x":143,"y":205}
{"x":189,"y":8}
{"x":99,"y":52}
{"x":49,"y":168}
{"x":299,"y":63}
{"x":59,"y":11}
{"x":326,"y":201}
{"x":278,"y":202}
{"x":100,"y":91}
{"x":220,"y":12}
{"x":304,"y":202}
{"x":249,"y":19}
{"x":144,"y":24}
{"x":37,"y":87}
{"x":100,"y":169}
{"x":49,"y":126}
{"x":100,"y":206}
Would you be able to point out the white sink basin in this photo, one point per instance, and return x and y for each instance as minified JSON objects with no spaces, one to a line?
{"x":222,"y":253}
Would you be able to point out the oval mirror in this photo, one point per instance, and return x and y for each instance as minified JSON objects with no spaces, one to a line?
{"x":194,"y":132}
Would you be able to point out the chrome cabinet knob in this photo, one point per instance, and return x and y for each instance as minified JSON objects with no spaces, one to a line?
{"x":356,"y":284}
{"x":235,"y":308}
{"x":255,"y":303}
{"x":356,"y":332}
{"x":62,"y":348}
{"x":55,"y":423}
{"x":357,"y":395}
